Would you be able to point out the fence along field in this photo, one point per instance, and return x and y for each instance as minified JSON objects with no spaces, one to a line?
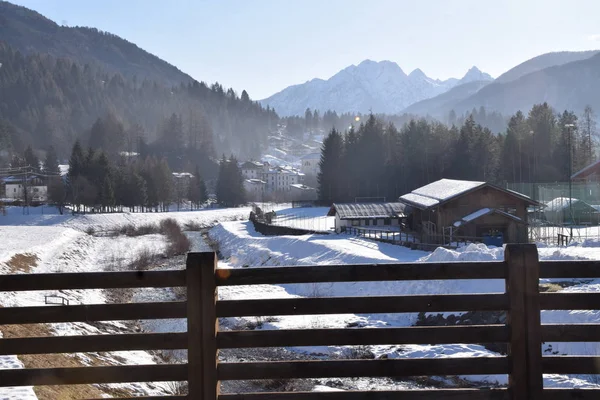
{"x":523,"y":331}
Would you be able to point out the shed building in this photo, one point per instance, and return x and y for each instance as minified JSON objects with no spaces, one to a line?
{"x":558,"y":211}
{"x":367,"y":215}
{"x":445,"y":209}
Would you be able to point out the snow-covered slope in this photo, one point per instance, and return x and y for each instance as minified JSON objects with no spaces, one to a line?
{"x":381,"y":87}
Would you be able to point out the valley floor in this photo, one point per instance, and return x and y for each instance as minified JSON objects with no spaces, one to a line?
{"x":49,"y":242}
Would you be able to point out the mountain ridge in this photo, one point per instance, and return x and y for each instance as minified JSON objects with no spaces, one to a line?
{"x":377,"y":86}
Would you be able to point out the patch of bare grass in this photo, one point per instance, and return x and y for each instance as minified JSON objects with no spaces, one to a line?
{"x":22,"y":262}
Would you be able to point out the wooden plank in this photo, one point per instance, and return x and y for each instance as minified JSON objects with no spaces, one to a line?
{"x":535,"y":382}
{"x":92,"y":280}
{"x":571,"y":333}
{"x":362,"y":368}
{"x":95,"y":312}
{"x":379,"y":336}
{"x":360,"y":273}
{"x":570,"y":269}
{"x":517,"y":349}
{"x":569,"y":301}
{"x":362,"y":305}
{"x":93,"y":343}
{"x":210,"y":326}
{"x":85,"y":375}
{"x":180,"y":397}
{"x":571,"y":365}
{"x":194,"y":325}
{"x":442,"y":394}
{"x":569,"y":394}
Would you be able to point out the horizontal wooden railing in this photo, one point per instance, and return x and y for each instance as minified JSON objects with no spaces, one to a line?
{"x":523,"y":332}
{"x":190,"y":278}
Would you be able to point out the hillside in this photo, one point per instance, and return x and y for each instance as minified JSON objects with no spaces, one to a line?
{"x":544,"y":61}
{"x":442,"y":104}
{"x":380,"y":87}
{"x":30,"y":32}
{"x":570,"y":86}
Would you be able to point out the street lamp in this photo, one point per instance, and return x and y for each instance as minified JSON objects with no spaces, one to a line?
{"x":569,"y":127}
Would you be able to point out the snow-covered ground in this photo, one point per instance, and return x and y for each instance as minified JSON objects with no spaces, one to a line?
{"x":59,"y":243}
{"x":241,"y":246}
{"x":44,"y":241}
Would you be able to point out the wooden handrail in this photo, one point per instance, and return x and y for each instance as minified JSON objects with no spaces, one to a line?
{"x":523,"y":331}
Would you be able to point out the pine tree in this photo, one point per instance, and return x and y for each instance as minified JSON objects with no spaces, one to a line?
{"x":76,"y":170}
{"x":197,"y":189}
{"x":31,"y":159}
{"x":51,"y":163}
{"x":331,"y":168}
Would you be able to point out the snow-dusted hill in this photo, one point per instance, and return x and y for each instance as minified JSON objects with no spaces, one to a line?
{"x":381,"y":87}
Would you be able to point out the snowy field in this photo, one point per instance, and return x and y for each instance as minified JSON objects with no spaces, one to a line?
{"x":241,"y":246}
{"x":49,"y":242}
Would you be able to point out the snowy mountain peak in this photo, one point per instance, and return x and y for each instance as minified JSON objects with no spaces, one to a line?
{"x":377,"y":86}
{"x":475,"y":74}
{"x":418,"y":73}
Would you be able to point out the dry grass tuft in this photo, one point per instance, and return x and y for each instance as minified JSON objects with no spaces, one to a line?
{"x":22,"y":262}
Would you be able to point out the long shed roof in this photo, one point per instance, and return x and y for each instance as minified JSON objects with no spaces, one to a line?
{"x":367,"y":210}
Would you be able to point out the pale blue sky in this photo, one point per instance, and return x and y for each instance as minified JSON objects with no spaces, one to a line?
{"x":265,"y":45}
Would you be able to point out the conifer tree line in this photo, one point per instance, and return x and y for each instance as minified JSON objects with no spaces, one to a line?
{"x":48,"y":101}
{"x":376,"y":159}
{"x":230,"y":185}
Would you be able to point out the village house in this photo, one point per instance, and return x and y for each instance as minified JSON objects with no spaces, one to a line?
{"x":588,"y":174}
{"x":30,"y":187}
{"x":255,"y":189}
{"x":367,"y":215}
{"x":446,"y":209}
{"x":253,"y":169}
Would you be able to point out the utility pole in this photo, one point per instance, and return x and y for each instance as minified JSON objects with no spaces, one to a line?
{"x":569,"y":126}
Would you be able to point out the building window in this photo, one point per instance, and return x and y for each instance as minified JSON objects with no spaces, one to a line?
{"x":387,"y":221}
{"x":367,"y":222}
{"x":374,"y":222}
{"x":15,"y":190}
{"x":35,"y":190}
{"x":356,"y":222}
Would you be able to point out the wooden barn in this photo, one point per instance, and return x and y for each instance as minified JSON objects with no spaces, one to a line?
{"x":449,"y":209}
{"x":367,"y":215}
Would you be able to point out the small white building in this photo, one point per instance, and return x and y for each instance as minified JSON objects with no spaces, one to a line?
{"x":367,"y":215}
{"x":279,"y":179}
{"x":30,"y":187}
{"x":255,"y":189}
{"x":310,"y":164}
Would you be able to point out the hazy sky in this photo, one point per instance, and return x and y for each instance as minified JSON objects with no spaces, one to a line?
{"x":265,"y":45}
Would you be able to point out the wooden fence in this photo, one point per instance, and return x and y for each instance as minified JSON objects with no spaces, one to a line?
{"x":523,"y":331}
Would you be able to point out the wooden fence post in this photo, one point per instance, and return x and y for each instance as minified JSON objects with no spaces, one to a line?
{"x":522,"y":285}
{"x":202,"y":326}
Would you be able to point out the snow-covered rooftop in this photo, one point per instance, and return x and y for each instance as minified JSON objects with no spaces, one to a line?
{"x":419,"y":200}
{"x":256,"y":181}
{"x":182,"y":175}
{"x":561,"y":204}
{"x":368,"y":210}
{"x":445,"y":189}
{"x":484,"y":211}
{"x":301,"y":186}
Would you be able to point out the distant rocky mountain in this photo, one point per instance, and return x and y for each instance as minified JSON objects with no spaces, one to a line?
{"x":544,"y":61}
{"x":30,"y":32}
{"x":381,"y":87}
{"x":440,"y":106}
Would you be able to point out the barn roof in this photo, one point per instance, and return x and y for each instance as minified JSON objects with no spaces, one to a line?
{"x":444,"y":190}
{"x":367,"y":210}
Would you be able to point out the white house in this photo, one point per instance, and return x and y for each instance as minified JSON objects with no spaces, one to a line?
{"x":310,"y":164}
{"x":367,"y":215}
{"x":279,"y":179}
{"x":31,"y":187}
{"x":255,"y":189}
{"x":253,"y":169}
